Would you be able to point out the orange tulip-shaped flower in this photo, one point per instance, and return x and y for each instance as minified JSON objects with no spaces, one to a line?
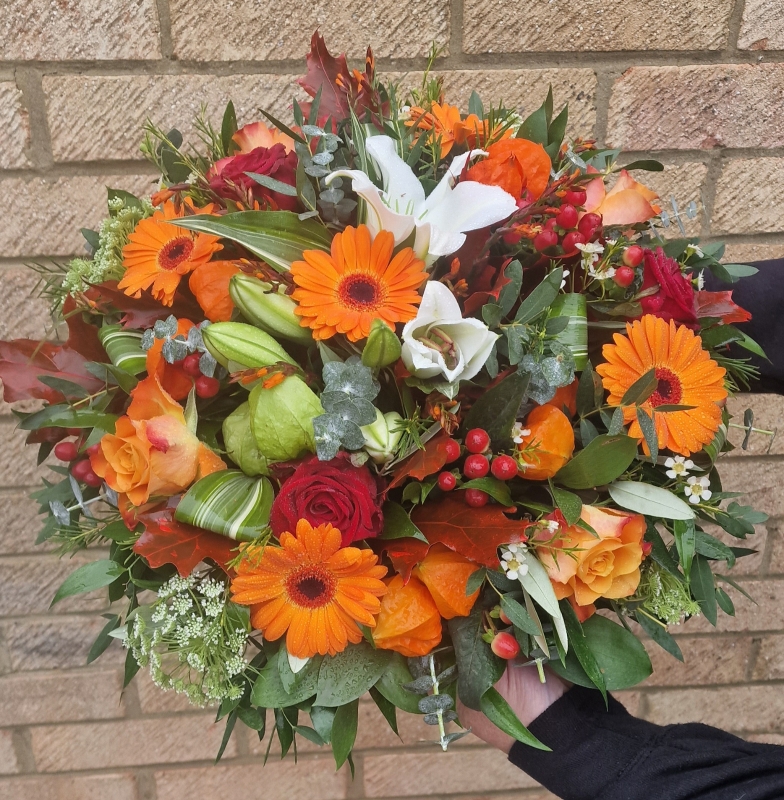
{"x":312,"y":590}
{"x":517,"y":166}
{"x":627,"y":203}
{"x":409,"y":622}
{"x":210,"y":286}
{"x":544,"y":444}
{"x":445,"y":573}
{"x":152,"y":453}
{"x":585,"y":567}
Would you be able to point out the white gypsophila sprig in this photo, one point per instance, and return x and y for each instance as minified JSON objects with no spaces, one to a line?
{"x":697,"y":489}
{"x":513,"y":561}
{"x":679,"y":466}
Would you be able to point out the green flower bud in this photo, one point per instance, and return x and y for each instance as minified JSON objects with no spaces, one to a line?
{"x":270,"y":310}
{"x":281,"y":419}
{"x":381,"y":437}
{"x":382,"y":346}
{"x":241,"y":446}
{"x":238,"y":346}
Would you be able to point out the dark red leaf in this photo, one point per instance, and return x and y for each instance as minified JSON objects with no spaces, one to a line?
{"x":475,"y":533}
{"x":144,"y":311}
{"x":166,"y":541}
{"x":721,"y":305}
{"x":405,"y":554}
{"x":82,"y":336}
{"x":22,"y":361}
{"x":486,"y":290}
{"x":423,"y":462}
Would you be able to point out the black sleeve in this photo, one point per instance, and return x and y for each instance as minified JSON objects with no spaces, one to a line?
{"x":763,"y":295}
{"x":607,"y":754}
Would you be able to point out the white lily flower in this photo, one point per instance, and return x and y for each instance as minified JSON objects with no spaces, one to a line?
{"x":439,"y":343}
{"x":696,"y":489}
{"x":439,"y":222}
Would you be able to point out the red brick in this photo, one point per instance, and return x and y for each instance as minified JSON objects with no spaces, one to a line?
{"x":14,"y":128}
{"x":736,"y":209}
{"x":749,"y":617}
{"x":120,"y":786}
{"x":31,"y":698}
{"x":758,"y":479}
{"x":153,"y":700}
{"x":776,"y":535}
{"x":740,"y":708}
{"x":746,"y":252}
{"x":311,"y":778}
{"x":17,"y":460}
{"x":708,"y":660}
{"x":84,"y":30}
{"x":98,"y":745}
{"x":697,"y":107}
{"x":762,"y":27}
{"x":467,"y":770}
{"x":8,"y":765}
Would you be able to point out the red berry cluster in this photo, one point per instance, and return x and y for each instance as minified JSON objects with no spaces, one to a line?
{"x":477,"y":464}
{"x":205,"y":386}
{"x":80,"y":467}
{"x":567,"y":227}
{"x":625,"y":274}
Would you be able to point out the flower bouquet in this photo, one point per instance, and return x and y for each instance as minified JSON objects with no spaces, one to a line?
{"x":387,"y":399}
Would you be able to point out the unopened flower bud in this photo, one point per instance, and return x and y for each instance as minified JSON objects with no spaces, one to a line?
{"x":238,"y":346}
{"x":382,"y":346}
{"x":267,"y":308}
{"x":382,"y":436}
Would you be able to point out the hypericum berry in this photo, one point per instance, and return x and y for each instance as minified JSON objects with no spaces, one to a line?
{"x":575,"y":197}
{"x":567,"y":216}
{"x":476,"y":466}
{"x":190,"y":365}
{"x":93,"y":449}
{"x":207,"y":387}
{"x":652,"y":303}
{"x":550,"y":224}
{"x":624,"y":276}
{"x":589,"y":224}
{"x":66,"y":451}
{"x":504,"y":645}
{"x":91,"y":479}
{"x":502,"y":616}
{"x":452,"y":449}
{"x":80,"y":469}
{"x":545,"y":240}
{"x":504,"y":468}
{"x":477,"y":440}
{"x":447,"y":481}
{"x":632,"y":255}
{"x":476,"y":498}
{"x":571,"y":240}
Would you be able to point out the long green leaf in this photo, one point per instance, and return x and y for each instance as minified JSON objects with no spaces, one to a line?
{"x":498,"y":711}
{"x":344,"y":731}
{"x":652,"y":501}
{"x":703,"y":588}
{"x":641,"y":389}
{"x":88,"y":578}
{"x":541,"y":298}
{"x":602,"y":461}
{"x":278,"y":237}
{"x":537,"y":583}
{"x":581,"y":648}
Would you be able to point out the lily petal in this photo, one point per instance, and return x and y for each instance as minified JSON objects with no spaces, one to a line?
{"x":404,"y":192}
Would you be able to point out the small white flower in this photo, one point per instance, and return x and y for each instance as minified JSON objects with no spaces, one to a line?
{"x":678,"y":467}
{"x":692,"y":249}
{"x":566,"y":274}
{"x":590,"y":247}
{"x":519,"y":433}
{"x":697,"y":490}
{"x":513,"y":557}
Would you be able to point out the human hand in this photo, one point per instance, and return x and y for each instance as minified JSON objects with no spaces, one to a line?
{"x":527,"y":696}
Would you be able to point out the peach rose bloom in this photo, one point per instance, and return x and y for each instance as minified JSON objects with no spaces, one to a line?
{"x":584,"y":568}
{"x":152,"y":453}
{"x":627,"y":203}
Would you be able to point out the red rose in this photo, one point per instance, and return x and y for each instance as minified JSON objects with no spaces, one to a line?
{"x":228,"y":179}
{"x":330,"y":491}
{"x":675,"y":298}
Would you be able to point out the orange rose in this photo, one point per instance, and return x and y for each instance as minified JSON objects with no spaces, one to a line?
{"x":409,"y":622}
{"x":445,"y":574}
{"x":152,"y":453}
{"x":517,"y":166}
{"x":584,"y":567}
{"x":257,"y":134}
{"x":173,"y":378}
{"x":627,"y":203}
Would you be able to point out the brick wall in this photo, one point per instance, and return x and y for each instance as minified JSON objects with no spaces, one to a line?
{"x":700,"y":84}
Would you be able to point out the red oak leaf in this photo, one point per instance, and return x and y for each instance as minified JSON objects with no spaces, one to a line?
{"x":486,"y":290}
{"x":82,"y":336}
{"x":22,"y":361}
{"x":475,"y":533}
{"x":166,"y":541}
{"x":144,"y":311}
{"x":405,"y":554}
{"x":423,"y":462}
{"x":721,"y":305}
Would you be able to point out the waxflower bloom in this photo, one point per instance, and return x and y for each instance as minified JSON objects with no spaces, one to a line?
{"x":513,"y":558}
{"x":697,"y":489}
{"x":440,"y":344}
{"x":678,"y":467}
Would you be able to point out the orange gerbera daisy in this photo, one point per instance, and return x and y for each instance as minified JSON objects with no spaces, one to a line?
{"x":686,"y":374}
{"x":343,"y":292}
{"x":159,"y":253}
{"x":311,"y":589}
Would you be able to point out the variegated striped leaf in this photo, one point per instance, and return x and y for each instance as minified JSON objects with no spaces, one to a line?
{"x":124,"y":348}
{"x":575,"y":335}
{"x":229,"y":503}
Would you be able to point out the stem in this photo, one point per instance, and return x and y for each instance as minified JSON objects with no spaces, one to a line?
{"x":754,"y":430}
{"x":442,"y":731}
{"x":540,"y":670}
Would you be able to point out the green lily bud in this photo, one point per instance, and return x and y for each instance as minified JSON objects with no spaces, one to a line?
{"x":281,"y":419}
{"x":241,"y":446}
{"x":382,"y":346}
{"x":238,"y":346}
{"x":381,"y":437}
{"x":124,"y":348}
{"x":270,"y":310}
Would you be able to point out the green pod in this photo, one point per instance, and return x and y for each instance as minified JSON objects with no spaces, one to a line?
{"x":575,"y":335}
{"x":267,"y":309}
{"x":238,"y":346}
{"x":382,"y":346}
{"x":241,"y":447}
{"x":281,"y":419}
{"x":124,"y":348}
{"x":228,"y":502}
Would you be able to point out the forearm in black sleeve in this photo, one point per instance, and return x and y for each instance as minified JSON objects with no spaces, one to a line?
{"x":607,"y":754}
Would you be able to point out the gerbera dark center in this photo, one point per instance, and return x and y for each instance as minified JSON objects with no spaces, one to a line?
{"x":669,"y":390}
{"x":360,"y":292}
{"x":175,"y":251}
{"x":311,"y":587}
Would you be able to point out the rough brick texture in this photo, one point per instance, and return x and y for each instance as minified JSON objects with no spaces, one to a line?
{"x":698,"y":85}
